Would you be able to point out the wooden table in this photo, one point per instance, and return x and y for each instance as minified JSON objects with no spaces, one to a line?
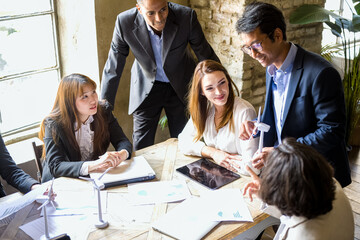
{"x":164,"y":158}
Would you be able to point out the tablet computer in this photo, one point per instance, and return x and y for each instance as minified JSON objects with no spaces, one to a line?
{"x":208,"y":173}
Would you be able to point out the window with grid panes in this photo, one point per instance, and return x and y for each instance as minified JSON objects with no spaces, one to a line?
{"x":29,"y":65}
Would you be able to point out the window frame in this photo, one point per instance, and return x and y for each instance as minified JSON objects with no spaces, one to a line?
{"x":30,"y":130}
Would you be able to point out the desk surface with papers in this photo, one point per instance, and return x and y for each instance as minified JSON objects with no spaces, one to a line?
{"x":164,"y":158}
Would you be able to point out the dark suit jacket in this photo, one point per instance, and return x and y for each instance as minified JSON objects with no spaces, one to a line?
{"x":13,"y":175}
{"x":63,"y":160}
{"x":181,"y":28}
{"x":314,"y":111}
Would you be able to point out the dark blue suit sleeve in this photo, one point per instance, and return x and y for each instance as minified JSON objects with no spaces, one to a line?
{"x":10,"y":172}
{"x":329,"y":110}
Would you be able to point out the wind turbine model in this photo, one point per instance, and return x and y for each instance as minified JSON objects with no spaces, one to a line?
{"x":50,"y":200}
{"x":262,"y":127}
{"x":97,"y":186}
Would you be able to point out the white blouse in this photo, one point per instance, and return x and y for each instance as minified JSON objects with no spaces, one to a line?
{"x":85,"y":138}
{"x":225,"y":140}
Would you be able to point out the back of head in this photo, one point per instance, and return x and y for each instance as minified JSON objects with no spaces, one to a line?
{"x":263,"y":15}
{"x":298,"y":180}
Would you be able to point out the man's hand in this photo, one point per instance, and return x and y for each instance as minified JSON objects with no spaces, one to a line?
{"x":247,"y":129}
{"x":259,"y":159}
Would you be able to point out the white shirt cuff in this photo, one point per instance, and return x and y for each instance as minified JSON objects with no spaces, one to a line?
{"x":84,"y":169}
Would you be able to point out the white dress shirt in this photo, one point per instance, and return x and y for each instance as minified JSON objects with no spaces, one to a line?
{"x":281,"y":78}
{"x":157,"y":46}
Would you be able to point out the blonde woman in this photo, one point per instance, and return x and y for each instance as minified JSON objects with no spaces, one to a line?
{"x":215,"y":118}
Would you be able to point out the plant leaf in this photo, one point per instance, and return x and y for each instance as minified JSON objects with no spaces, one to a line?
{"x":310,"y":13}
{"x":347,"y":24}
{"x":335,"y":29}
{"x":163,"y":122}
{"x":356,"y":23}
{"x":357,"y":6}
{"x":330,"y":50}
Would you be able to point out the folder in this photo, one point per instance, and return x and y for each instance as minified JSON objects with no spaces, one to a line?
{"x":136,"y":169}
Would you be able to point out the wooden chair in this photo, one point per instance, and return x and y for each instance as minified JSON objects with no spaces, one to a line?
{"x":37,"y":154}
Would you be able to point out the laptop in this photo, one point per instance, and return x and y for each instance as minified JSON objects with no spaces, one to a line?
{"x":136,"y":169}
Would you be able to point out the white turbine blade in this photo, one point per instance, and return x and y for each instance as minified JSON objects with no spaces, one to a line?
{"x":259,"y":115}
{"x":51,"y":188}
{"x":42,"y":205}
{"x":87,"y":179}
{"x":104,"y":172}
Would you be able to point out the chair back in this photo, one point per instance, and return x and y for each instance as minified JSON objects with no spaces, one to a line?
{"x":37,"y":154}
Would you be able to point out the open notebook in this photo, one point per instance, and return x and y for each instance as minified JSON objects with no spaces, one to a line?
{"x":186,"y":221}
{"x":133,"y":170}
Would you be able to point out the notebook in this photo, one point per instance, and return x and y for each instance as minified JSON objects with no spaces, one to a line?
{"x":133,"y":170}
{"x":208,"y":173}
{"x":185,"y":221}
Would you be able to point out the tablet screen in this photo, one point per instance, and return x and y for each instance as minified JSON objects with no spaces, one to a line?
{"x":208,"y":173}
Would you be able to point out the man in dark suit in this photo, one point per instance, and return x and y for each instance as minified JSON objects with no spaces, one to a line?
{"x":304,"y":94}
{"x":158,"y":33}
{"x":13,"y":175}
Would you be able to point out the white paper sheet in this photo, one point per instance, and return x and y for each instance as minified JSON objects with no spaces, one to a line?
{"x":226,"y":205}
{"x":158,"y":192}
{"x":123,"y":210}
{"x":74,"y":203}
{"x":13,"y":206}
{"x":77,"y":227}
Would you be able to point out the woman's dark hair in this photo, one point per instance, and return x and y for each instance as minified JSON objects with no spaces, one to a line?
{"x":297,"y":180}
{"x":263,"y":15}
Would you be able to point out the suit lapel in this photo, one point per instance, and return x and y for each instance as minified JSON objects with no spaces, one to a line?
{"x":268,"y":97}
{"x":169,"y":34}
{"x":141,"y":33}
{"x":294,"y":81}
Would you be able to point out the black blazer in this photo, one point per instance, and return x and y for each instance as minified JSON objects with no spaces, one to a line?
{"x":314,"y":111}
{"x":63,"y":160}
{"x":13,"y":175}
{"x":182,"y":29}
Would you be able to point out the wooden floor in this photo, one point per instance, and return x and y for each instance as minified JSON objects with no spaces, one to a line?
{"x":352,"y":191}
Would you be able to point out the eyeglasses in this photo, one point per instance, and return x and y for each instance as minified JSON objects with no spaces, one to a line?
{"x":257,"y":47}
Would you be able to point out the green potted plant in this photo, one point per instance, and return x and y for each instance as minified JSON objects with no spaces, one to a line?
{"x":345,"y":29}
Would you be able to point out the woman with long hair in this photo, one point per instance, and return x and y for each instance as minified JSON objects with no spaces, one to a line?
{"x":78,"y":131}
{"x":300,"y":183}
{"x":215,"y":117}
